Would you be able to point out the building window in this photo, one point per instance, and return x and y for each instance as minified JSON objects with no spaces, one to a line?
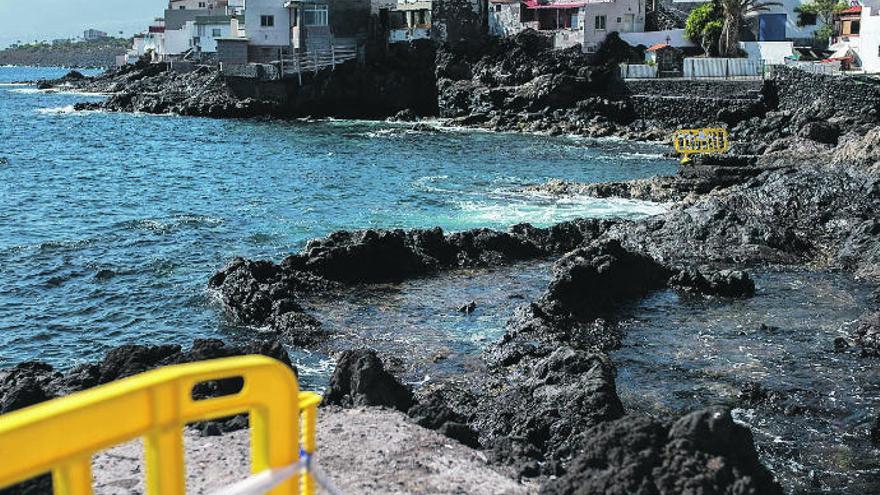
{"x":215,"y":33}
{"x":201,"y":5}
{"x":497,"y":7}
{"x":200,"y":31}
{"x":315,"y":15}
{"x":600,"y":22}
{"x":267,"y":20}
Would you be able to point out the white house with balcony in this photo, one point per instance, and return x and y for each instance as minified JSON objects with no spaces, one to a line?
{"x":275,"y":26}
{"x":570,"y":22}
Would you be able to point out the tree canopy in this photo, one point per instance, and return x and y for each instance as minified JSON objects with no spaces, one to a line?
{"x":704,"y":26}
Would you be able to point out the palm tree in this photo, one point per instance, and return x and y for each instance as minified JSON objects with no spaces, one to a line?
{"x":735,"y":12}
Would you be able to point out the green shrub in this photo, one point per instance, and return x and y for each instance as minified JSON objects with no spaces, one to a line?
{"x":704,"y":26}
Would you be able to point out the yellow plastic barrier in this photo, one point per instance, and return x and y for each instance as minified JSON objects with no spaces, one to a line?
{"x":62,"y":435}
{"x":697,"y":141}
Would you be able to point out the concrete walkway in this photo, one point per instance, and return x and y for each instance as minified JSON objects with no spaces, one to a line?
{"x":362,"y":450}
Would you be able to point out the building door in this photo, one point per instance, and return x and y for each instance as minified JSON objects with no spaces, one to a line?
{"x":771,"y":27}
{"x":629,"y":22}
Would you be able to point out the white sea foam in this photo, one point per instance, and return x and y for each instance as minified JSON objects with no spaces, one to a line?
{"x":25,"y":91}
{"x":65,"y":110}
{"x":557,"y":210}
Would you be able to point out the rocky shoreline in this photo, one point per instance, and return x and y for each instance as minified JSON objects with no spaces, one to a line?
{"x":801,"y":188}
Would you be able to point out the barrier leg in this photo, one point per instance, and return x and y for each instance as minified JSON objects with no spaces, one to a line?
{"x":74,"y":478}
{"x":309,"y":444}
{"x":274,"y":444}
{"x":165,"y":462}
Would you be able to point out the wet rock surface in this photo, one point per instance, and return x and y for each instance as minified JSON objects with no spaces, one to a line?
{"x":266,"y":294}
{"x":867,"y":334}
{"x":360,"y":379}
{"x":785,"y":216}
{"x":724,"y":283}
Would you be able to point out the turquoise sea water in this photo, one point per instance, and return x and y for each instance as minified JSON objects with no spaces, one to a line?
{"x":113,"y":223}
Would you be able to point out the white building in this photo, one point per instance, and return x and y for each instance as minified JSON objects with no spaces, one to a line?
{"x":869,"y":43}
{"x":504,"y":18}
{"x":571,"y":22}
{"x":267,"y":23}
{"x":197,"y":4}
{"x":410,"y":20}
{"x":93,"y":34}
{"x":205,"y":31}
{"x":154,"y":40}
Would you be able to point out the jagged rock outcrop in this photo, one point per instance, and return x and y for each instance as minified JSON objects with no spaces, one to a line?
{"x":867,"y":334}
{"x":588,"y":285}
{"x":724,"y":283}
{"x":810,"y":214}
{"x":360,"y":379}
{"x":267,"y":294}
{"x":703,"y":452}
{"x":30,"y":383}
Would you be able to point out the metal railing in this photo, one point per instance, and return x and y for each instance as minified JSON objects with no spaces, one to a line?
{"x":296,"y":64}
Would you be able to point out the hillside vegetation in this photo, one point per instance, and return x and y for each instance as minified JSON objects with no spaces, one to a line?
{"x":96,"y":53}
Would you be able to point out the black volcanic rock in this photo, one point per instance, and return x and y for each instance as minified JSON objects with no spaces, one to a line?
{"x":543,"y":415}
{"x":867,"y":334}
{"x":724,"y":283}
{"x":28,"y":384}
{"x":875,"y":431}
{"x":588,"y":285}
{"x":360,"y":379}
{"x":25,"y":385}
{"x":267,"y":294}
{"x":704,"y":452}
{"x":594,"y":280}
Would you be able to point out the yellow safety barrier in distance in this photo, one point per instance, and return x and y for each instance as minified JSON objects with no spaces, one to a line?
{"x":689,"y":142}
{"x":62,"y":435}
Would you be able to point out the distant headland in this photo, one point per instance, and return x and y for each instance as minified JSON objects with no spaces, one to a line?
{"x":99,"y":51}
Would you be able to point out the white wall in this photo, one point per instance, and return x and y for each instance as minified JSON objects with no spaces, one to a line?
{"x":137,"y":46}
{"x":155,"y":42}
{"x":772,"y":52}
{"x":676,"y":38}
{"x":278,"y":35}
{"x":177,"y":41}
{"x":566,"y":38}
{"x":870,"y":34}
{"x":207,"y":41}
{"x":614,"y":12}
{"x":792,"y":30}
{"x":721,"y":67}
{"x":399,"y":35}
{"x":504,"y":19}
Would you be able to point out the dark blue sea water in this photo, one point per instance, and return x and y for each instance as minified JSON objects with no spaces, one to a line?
{"x":112,"y":223}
